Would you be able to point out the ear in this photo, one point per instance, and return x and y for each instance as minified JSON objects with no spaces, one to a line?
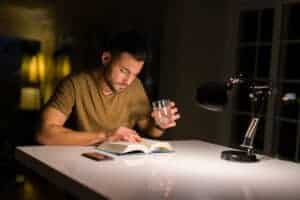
{"x":106,"y":57}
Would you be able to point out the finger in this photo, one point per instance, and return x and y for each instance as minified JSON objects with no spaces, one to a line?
{"x":137,"y":138}
{"x":172,"y":104}
{"x":136,"y":134}
{"x":133,"y":136}
{"x":174,"y":110}
{"x":111,"y":139}
{"x":129,"y":131}
{"x":173,"y":124}
{"x":128,"y":138}
{"x":116,"y":138}
{"x":153,"y":114}
{"x":176,"y":117}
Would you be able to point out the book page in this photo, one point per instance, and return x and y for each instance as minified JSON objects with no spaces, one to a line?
{"x":112,"y":147}
{"x":157,"y":145}
{"x":122,"y":147}
{"x":146,"y":146}
{"x":148,"y":142}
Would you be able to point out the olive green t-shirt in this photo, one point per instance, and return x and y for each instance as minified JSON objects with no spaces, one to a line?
{"x":79,"y":97}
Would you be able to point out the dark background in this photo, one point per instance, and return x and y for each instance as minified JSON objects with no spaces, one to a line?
{"x":191,"y":41}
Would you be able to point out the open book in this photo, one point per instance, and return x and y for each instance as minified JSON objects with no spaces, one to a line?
{"x":146,"y":146}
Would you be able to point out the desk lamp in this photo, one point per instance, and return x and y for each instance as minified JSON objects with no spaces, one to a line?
{"x":213,"y":96}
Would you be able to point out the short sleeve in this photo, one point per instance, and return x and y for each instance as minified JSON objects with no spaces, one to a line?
{"x":63,"y":98}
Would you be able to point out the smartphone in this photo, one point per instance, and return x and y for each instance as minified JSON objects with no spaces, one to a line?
{"x":97,"y":156}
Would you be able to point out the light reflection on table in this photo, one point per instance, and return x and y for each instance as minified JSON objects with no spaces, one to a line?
{"x":194,"y":171}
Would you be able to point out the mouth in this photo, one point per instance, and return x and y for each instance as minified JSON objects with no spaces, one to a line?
{"x":122,"y":87}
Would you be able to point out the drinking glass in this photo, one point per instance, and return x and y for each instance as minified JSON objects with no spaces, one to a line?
{"x":164,"y":115}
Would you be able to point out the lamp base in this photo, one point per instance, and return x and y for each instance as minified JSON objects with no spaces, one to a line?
{"x":238,"y":156}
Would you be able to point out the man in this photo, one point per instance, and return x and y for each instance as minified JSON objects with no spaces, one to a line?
{"x":105,"y":104}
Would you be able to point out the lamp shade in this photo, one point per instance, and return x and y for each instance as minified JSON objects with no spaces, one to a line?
{"x":212,"y":96}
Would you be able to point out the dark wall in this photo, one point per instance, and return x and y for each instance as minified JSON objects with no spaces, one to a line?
{"x":90,"y":24}
{"x":197,"y":36}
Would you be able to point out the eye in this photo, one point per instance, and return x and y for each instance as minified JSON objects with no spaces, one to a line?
{"x":124,"y":71}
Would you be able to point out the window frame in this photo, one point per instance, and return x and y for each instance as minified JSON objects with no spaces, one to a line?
{"x":271,"y":127}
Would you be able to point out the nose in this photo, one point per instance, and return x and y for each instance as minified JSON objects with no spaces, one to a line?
{"x":128,"y":79}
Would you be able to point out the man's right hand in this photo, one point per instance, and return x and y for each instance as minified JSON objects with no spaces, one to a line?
{"x":124,"y":134}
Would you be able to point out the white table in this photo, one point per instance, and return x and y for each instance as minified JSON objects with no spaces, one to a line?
{"x":195,"y":171}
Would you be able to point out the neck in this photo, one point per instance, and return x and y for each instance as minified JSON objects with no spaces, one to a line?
{"x":105,"y":86}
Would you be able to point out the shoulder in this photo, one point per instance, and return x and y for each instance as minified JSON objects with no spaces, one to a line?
{"x":137,"y":89}
{"x":77,"y":78}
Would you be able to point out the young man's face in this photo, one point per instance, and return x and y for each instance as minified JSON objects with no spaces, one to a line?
{"x":122,"y":70}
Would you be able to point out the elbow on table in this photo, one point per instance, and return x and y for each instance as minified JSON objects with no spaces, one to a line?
{"x":42,"y":138}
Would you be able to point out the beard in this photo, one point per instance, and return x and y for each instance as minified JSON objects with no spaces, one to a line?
{"x":115,"y":87}
{"x":120,"y":86}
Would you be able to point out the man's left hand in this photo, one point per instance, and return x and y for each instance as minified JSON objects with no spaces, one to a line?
{"x":172,"y":116}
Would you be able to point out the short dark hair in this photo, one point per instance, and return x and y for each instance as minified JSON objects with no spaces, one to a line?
{"x":131,"y":42}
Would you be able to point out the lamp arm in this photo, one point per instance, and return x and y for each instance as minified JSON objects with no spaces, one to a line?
{"x":250,"y":134}
{"x":252,"y":128}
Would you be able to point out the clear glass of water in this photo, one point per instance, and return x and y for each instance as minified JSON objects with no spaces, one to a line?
{"x":163,"y":112}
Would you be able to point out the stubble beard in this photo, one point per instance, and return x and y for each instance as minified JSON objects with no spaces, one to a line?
{"x":113,"y":87}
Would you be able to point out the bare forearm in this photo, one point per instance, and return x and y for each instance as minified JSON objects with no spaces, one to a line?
{"x":59,"y":135}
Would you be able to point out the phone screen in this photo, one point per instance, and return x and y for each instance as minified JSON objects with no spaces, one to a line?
{"x":96,"y":156}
